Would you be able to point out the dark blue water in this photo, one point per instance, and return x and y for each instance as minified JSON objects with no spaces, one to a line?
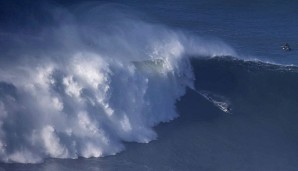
{"x":260,"y":133}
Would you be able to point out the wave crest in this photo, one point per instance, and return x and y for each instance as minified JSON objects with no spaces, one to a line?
{"x":81,"y":88}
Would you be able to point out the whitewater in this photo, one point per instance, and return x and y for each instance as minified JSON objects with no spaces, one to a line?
{"x":96,"y":78}
{"x":148,"y":85}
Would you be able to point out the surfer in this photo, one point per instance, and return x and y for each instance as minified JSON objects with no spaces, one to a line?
{"x":286,"y":47}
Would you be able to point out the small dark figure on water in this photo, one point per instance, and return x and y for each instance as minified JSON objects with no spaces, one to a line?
{"x":286,"y":47}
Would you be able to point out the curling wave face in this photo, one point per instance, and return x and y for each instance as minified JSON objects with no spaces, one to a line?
{"x":91,"y":81}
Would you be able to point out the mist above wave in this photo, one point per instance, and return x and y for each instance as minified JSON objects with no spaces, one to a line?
{"x":89,"y":81}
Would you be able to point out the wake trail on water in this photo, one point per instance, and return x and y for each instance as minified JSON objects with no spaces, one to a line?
{"x":96,"y":77}
{"x":218,"y":101}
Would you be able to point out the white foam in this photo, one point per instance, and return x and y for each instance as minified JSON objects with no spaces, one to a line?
{"x":93,"y":87}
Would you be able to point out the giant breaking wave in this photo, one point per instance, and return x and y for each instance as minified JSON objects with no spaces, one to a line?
{"x":93,"y":79}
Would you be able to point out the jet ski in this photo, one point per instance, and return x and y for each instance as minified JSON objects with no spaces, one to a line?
{"x":286,"y":47}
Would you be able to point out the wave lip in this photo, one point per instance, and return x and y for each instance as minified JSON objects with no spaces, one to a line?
{"x":85,"y":85}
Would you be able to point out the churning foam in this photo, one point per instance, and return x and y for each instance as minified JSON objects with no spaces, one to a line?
{"x":83,"y":88}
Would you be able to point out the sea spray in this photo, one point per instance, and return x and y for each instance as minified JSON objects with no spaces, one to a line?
{"x":95,"y":78}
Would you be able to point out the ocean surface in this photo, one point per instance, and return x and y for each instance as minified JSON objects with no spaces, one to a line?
{"x":148,"y":85}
